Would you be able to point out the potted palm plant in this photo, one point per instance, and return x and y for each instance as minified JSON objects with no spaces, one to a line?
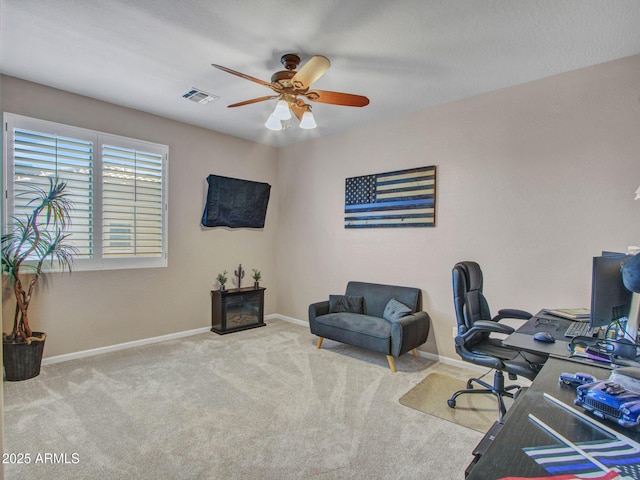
{"x":222,"y":280}
{"x":37,"y":242}
{"x":257,"y":276}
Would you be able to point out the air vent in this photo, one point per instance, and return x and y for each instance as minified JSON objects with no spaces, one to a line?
{"x":198,"y":96}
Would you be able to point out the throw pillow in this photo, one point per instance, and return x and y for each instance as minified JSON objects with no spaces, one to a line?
{"x":346,"y":303}
{"x":395,"y":310}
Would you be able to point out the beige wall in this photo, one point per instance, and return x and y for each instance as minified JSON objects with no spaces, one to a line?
{"x":87,"y":310}
{"x":533,"y":181}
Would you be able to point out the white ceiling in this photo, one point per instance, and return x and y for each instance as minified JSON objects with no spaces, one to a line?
{"x":405,"y":55}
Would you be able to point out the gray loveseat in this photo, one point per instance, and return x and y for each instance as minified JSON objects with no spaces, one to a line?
{"x":382,"y":318}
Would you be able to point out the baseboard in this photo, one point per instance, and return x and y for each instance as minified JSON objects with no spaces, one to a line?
{"x":451,"y":361}
{"x":187,"y":333}
{"x":122,"y":346}
{"x":147,"y":341}
{"x":297,"y":321}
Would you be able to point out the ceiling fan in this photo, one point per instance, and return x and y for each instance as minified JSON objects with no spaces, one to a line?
{"x":292,"y":88}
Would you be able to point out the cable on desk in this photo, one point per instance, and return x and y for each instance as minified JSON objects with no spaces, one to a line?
{"x":617,"y":323}
{"x":536,"y":366}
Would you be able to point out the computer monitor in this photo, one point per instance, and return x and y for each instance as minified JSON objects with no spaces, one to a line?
{"x":610,"y":300}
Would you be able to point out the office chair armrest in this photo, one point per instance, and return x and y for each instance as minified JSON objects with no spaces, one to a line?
{"x":480,"y":326}
{"x":512,"y":313}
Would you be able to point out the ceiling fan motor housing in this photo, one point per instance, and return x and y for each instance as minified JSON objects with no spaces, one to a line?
{"x":283,"y":78}
{"x":290,"y":61}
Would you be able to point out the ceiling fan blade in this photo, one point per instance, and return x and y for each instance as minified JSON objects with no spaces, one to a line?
{"x":254,"y":100}
{"x":310,"y":72}
{"x":337,"y":98}
{"x":245,"y":76}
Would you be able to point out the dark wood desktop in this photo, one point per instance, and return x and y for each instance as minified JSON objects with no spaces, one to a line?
{"x":505,"y":455}
{"x":542,"y":322}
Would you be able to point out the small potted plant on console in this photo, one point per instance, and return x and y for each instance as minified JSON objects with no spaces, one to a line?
{"x":257,"y":276}
{"x":222,"y":280}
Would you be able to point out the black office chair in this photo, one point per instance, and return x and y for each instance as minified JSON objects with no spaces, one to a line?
{"x":474,"y":345}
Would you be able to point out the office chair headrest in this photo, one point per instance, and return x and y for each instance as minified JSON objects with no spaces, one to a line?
{"x":473,"y":275}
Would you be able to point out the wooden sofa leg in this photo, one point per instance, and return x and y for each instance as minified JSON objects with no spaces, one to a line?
{"x":415,"y":352}
{"x":319,"y":344}
{"x":392,"y":363}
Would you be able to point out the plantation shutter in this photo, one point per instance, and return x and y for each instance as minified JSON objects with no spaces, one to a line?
{"x":132,"y":211}
{"x":117,"y":186}
{"x":39,"y":157}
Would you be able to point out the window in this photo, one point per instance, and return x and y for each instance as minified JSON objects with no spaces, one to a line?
{"x":118,"y":186}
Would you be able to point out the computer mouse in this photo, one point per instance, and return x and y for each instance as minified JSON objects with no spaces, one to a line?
{"x":544,"y":337}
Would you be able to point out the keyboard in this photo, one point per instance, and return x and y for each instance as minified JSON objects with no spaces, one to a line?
{"x":577,"y":329}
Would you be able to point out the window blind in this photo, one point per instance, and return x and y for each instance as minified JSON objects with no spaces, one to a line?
{"x":132,"y":202}
{"x":118,"y":187}
{"x":39,"y":157}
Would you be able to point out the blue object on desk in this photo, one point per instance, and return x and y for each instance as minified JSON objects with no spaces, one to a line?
{"x":609,"y":400}
{"x":544,"y":337}
{"x":575,"y":379}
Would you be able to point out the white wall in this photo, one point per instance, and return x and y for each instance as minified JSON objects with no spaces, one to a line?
{"x":94,"y":309}
{"x":533,"y":181}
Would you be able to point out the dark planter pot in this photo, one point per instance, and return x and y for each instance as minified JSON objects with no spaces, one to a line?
{"x":22,"y":361}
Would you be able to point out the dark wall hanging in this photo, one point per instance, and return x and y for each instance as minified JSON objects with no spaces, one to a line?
{"x":235,"y":203}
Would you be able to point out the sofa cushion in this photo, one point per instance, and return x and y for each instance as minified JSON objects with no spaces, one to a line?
{"x":395,"y":310}
{"x":376,"y":296}
{"x":345,"y":303}
{"x":353,"y":322}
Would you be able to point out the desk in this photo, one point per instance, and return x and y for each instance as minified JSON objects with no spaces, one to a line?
{"x":505,"y":456}
{"x":522,"y":339}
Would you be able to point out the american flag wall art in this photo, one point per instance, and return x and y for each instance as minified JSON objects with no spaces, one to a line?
{"x":404,"y":198}
{"x":612,"y":453}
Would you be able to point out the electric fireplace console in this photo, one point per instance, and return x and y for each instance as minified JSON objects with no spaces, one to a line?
{"x":237,"y":309}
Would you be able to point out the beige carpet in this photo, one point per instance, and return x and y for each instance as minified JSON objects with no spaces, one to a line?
{"x":477,"y":412}
{"x":258,"y":404}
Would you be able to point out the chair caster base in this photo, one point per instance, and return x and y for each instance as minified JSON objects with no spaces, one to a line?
{"x":451,"y":403}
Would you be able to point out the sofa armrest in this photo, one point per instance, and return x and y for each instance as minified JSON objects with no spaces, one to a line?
{"x":315,"y":310}
{"x":409,"y":332}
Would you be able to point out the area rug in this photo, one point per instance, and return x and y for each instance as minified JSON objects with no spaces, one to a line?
{"x":477,"y":412}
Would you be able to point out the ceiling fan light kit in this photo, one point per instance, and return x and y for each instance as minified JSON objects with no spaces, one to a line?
{"x":282,"y":111}
{"x":273,"y":123}
{"x":308,"y":122}
{"x":290,"y":85}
